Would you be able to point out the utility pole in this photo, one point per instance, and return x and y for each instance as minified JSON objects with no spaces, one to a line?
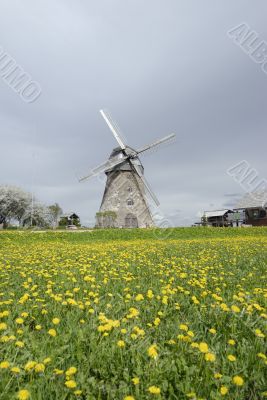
{"x":32,"y":202}
{"x":32,"y":209}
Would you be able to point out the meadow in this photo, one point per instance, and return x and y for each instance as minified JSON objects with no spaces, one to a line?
{"x":121,"y":314}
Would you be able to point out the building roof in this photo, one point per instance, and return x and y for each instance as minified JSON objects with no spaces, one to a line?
{"x":69,"y":214}
{"x":216,"y":213}
{"x":117,"y":153}
{"x":253,"y":200}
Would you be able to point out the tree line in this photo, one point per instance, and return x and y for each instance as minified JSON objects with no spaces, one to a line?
{"x":18,"y":207}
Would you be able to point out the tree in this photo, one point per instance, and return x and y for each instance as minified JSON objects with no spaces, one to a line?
{"x":106,"y":219}
{"x":13,"y":203}
{"x":36,"y":215}
{"x":64,"y":221}
{"x":2,"y":221}
{"x":21,"y":206}
{"x":55,"y":213}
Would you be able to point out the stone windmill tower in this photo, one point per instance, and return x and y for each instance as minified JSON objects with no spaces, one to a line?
{"x":124,"y":203}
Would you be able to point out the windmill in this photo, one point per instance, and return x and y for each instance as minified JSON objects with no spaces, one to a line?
{"x":125,"y":202}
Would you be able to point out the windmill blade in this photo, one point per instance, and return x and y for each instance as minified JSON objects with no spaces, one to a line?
{"x":111,"y":126}
{"x":145,"y":182}
{"x":103,"y":167}
{"x":157,"y":143}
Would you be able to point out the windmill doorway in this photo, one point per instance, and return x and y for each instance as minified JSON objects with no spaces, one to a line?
{"x":131,"y":221}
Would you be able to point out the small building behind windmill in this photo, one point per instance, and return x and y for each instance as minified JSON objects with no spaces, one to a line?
{"x":70,"y":220}
{"x":250,"y":210}
{"x":254,"y":207}
{"x":216,"y":218}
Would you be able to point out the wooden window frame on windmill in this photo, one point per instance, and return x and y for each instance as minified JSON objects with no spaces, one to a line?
{"x":133,"y":197}
{"x":130,"y":202}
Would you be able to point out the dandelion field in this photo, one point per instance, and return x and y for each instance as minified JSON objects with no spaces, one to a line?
{"x":123,"y":315}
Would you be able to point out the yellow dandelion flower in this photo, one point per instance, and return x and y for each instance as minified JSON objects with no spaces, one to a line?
{"x":55,"y":321}
{"x":71,"y":371}
{"x":23,"y":394}
{"x":3,"y":326}
{"x":52,"y":332}
{"x":77,"y":392}
{"x":154,"y":390}
{"x":231,"y":358}
{"x":58,"y":371}
{"x":210,"y":357}
{"x":136,"y":380}
{"x":191,"y":395}
{"x":39,"y":368}
{"x":15,"y":370}
{"x":231,"y":342}
{"x":224,"y":307}
{"x":183,"y":327}
{"x":217,"y":375}
{"x":4,"y":365}
{"x":128,"y":398}
{"x":19,"y":344}
{"x":120,"y":343}
{"x":71,"y":384}
{"x":212,"y":331}
{"x":38,"y":327}
{"x":4,"y":314}
{"x":47,"y":360}
{"x":152,"y":351}
{"x":19,"y":321}
{"x":165,"y":300}
{"x":238,"y":380}
{"x":259,"y":333}
{"x":203,"y":347}
{"x":30,"y":365}
{"x":133,"y":312}
{"x":223,"y":390}
{"x":235,"y":309}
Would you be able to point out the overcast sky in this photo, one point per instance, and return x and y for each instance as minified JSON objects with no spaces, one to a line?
{"x":159,"y":67}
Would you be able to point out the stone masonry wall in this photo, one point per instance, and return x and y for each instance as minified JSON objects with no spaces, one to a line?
{"x":124,"y":194}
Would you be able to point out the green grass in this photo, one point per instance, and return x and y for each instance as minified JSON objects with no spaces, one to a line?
{"x":198,"y":285}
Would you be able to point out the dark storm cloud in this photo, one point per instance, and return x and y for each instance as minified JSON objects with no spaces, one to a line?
{"x":160,"y":67}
